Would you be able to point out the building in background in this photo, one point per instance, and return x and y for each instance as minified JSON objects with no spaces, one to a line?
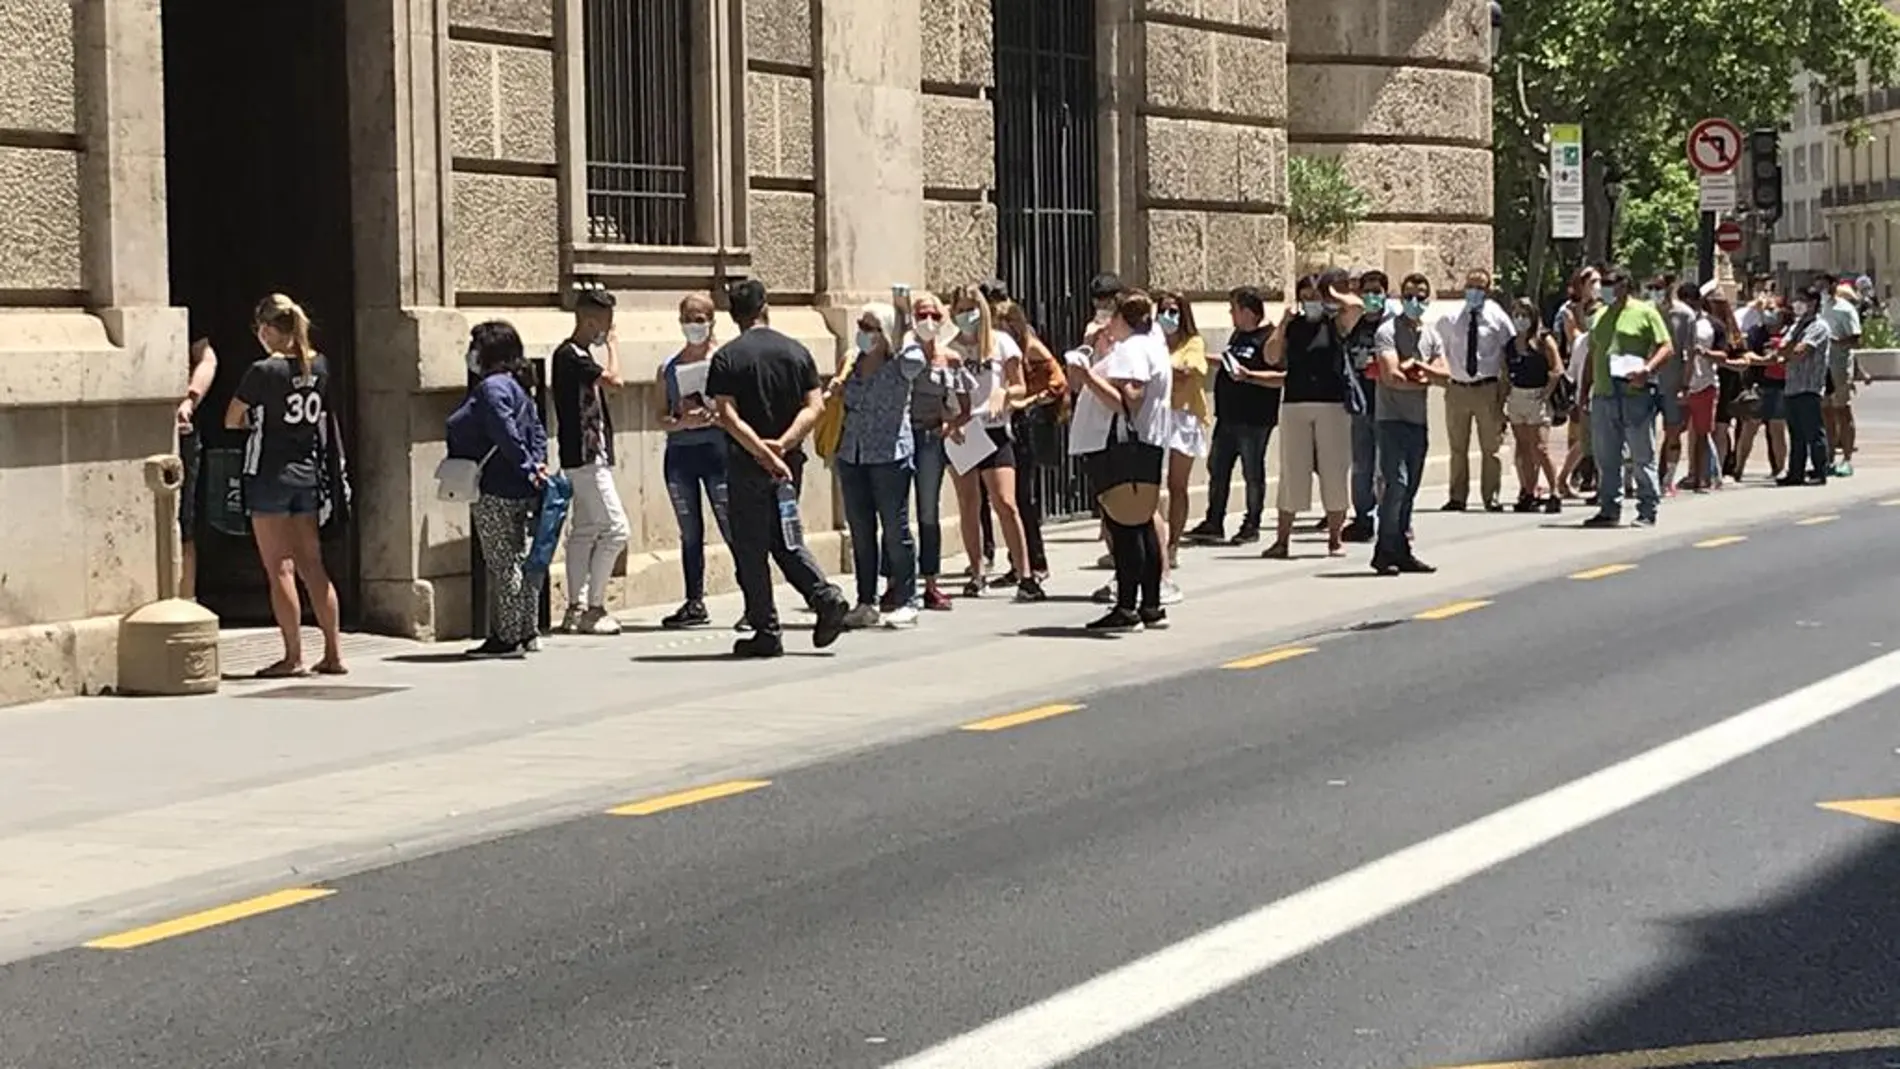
{"x":411,"y":167}
{"x":1800,"y":239}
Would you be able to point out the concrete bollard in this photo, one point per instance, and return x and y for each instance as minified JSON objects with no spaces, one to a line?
{"x":171,"y":645}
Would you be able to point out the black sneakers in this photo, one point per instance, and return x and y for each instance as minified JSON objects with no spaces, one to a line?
{"x":496,"y":650}
{"x":1153,"y":619}
{"x":830,"y":625}
{"x":1117,"y":621}
{"x":691,"y":614}
{"x":758,"y":647}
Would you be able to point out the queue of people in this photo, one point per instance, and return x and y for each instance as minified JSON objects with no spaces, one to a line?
{"x":964,"y":387}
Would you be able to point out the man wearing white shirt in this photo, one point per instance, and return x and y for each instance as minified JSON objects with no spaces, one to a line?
{"x":1841,"y":311}
{"x":1475,"y":340}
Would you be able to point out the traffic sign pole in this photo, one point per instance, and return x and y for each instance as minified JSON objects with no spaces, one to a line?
{"x":1715,"y":149}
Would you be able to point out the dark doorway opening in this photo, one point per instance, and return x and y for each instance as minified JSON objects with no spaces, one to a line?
{"x":258,"y":194}
{"x":1048,"y":241}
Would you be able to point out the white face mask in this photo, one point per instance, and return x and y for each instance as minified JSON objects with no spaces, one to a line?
{"x":1595,"y":292}
{"x":928,"y":329}
{"x":474,"y":361}
{"x":1800,"y":308}
{"x":1523,"y":325}
{"x":696,"y":333}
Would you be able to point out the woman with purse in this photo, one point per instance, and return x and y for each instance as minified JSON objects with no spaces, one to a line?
{"x":1120,"y":429}
{"x":1534,"y":370}
{"x":498,"y":428}
{"x":1187,"y":410}
{"x":282,"y":401}
{"x":1034,"y":426}
{"x":1316,"y":406}
{"x":1763,"y":401}
{"x":874,"y":466}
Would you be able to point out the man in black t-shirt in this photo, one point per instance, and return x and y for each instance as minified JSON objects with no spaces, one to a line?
{"x":584,"y":426}
{"x":1246,"y":409}
{"x":766,"y":389}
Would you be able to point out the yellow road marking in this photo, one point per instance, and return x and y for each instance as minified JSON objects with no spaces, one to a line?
{"x":1446,"y":612}
{"x":1027,"y":716}
{"x":1891,"y":502}
{"x":1261,"y":660}
{"x":1815,"y":521}
{"x":1605,"y":572}
{"x":1887,"y":809}
{"x":664,"y":802}
{"x":1715,"y":1053}
{"x":1718,"y":543}
{"x":210,"y":918}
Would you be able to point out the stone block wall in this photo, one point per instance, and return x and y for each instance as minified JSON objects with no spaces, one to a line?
{"x":1213,"y":144}
{"x":780,"y":132}
{"x":958,"y":71}
{"x":1401,"y":91}
{"x":39,"y":148}
{"x":504,"y":194}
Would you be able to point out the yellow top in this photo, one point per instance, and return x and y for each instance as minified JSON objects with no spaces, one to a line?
{"x":1190,"y":377}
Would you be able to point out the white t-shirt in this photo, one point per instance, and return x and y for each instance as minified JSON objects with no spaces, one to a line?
{"x":1142,"y":358}
{"x":988,"y":379}
{"x":1579,"y":355}
{"x":1702,"y":374}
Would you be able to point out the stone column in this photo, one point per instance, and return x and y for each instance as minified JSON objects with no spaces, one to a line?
{"x":122,"y":178}
{"x":1211,"y":147}
{"x":870,"y":162}
{"x":1401,"y":91}
{"x":957,"y":69}
{"x":407,"y":338}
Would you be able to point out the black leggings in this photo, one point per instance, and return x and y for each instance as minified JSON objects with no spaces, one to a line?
{"x":1137,"y":554}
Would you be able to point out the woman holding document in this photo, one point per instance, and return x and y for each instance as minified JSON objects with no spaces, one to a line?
{"x":978,"y":444}
{"x":695,"y":457}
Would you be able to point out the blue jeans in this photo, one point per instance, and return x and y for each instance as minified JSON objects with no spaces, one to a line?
{"x":929,"y":463}
{"x":1807,"y":439}
{"x":690,"y":467}
{"x":1246,"y":443}
{"x":878,"y":495}
{"x":1401,"y":449}
{"x":1365,"y":461}
{"x":1626,"y":420}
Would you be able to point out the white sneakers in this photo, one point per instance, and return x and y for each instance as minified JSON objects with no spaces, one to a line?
{"x":593,"y":621}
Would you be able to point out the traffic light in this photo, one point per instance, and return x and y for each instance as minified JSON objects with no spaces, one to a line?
{"x":1764,"y":169}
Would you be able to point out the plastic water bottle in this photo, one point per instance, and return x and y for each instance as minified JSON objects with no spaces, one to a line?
{"x":789,"y":526}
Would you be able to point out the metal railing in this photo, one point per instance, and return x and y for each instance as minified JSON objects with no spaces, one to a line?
{"x":639,"y":71}
{"x":1048,"y":243}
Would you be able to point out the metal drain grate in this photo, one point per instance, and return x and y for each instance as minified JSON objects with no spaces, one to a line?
{"x":325,"y":692}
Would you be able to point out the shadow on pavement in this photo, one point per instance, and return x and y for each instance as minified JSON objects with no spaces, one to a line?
{"x":1068,"y":632}
{"x":1821,"y":958}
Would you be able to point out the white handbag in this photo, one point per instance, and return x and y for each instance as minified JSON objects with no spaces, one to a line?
{"x":459,"y":479}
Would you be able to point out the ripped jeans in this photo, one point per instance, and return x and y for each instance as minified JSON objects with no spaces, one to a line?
{"x":689,"y":467}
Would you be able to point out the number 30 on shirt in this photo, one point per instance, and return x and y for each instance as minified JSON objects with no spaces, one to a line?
{"x":303,"y":408}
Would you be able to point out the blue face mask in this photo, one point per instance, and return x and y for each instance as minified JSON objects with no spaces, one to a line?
{"x":967,"y":322}
{"x":867,"y":340}
{"x":1312,"y":309}
{"x":1415,"y":307}
{"x":1170,"y":321}
{"x":1474,"y":298}
{"x":1374,"y":302}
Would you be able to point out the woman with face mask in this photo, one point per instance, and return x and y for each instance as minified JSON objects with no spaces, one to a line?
{"x":935,"y":401}
{"x":1534,"y":369}
{"x":1315,"y":417}
{"x":1035,"y":422}
{"x":695,"y":456}
{"x":993,"y":364}
{"x":1763,"y":403}
{"x":1586,"y":300}
{"x":1187,"y":413}
{"x":874,"y":465}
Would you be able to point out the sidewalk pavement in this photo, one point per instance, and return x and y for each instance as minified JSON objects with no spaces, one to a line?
{"x":118,"y":811}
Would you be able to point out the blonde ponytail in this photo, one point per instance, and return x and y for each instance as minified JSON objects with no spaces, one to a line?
{"x":285,"y":316}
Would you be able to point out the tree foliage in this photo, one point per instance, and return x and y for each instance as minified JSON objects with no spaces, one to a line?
{"x":1323,"y":205}
{"x":1639,"y":73}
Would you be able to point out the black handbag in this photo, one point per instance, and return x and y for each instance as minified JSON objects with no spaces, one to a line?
{"x":1126,"y":460}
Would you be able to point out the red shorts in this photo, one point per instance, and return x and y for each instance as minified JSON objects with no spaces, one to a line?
{"x":1702,"y":410}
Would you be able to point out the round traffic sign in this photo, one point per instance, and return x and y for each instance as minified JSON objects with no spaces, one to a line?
{"x":1715,"y":146}
{"x":1728,"y":237}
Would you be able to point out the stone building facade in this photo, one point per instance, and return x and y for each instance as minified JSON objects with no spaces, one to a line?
{"x":410,"y":167}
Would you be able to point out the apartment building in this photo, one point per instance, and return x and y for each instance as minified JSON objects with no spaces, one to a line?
{"x":407,"y":168}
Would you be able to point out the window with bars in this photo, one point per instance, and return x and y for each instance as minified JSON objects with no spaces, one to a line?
{"x":639,"y":69}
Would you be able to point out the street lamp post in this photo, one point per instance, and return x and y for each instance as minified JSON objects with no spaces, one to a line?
{"x":1497,"y":29}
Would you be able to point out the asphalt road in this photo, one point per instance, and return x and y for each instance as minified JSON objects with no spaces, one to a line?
{"x":872,"y":910}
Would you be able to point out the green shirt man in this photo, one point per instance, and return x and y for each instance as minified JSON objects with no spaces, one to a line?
{"x":1627,"y":328}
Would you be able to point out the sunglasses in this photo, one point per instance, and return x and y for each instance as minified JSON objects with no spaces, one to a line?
{"x":935,"y":317}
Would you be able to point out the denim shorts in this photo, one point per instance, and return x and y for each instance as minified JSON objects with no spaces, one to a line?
{"x":270,"y":497}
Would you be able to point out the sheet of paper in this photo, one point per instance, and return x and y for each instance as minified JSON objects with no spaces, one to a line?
{"x":1623,"y":365}
{"x":692,"y":377}
{"x":970,"y":452}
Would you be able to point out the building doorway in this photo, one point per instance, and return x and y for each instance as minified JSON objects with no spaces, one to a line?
{"x":258,"y":195}
{"x":1048,"y":241}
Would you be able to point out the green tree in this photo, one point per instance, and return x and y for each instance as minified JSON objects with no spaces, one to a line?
{"x":1656,"y":231}
{"x":1638,"y":74}
{"x":1323,"y":205}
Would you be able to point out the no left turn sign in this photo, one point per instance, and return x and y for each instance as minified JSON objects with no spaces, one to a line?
{"x":1715,"y":146}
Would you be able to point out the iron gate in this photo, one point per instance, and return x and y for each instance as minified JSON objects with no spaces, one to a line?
{"x":1048,"y":247}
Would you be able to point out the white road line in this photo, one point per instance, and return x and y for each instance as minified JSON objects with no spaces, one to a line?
{"x":1125,"y":999}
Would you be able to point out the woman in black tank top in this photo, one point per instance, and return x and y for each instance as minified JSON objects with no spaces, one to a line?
{"x":282,"y":401}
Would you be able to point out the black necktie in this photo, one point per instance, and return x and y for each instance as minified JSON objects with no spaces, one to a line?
{"x":1471,"y":346}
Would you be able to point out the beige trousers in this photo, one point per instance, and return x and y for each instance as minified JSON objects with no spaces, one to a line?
{"x":1484,"y":405}
{"x":1315,"y":439}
